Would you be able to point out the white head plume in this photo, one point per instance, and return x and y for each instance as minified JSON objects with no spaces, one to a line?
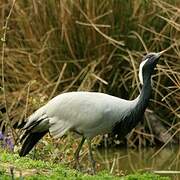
{"x":140,"y":70}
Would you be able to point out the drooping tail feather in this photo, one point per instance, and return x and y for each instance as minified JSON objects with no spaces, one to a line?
{"x":35,"y":128}
{"x":30,"y":141}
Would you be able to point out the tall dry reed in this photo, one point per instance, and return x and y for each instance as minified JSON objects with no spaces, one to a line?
{"x":95,"y":45}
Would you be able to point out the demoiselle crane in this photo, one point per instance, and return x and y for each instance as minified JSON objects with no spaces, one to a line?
{"x":89,"y":113}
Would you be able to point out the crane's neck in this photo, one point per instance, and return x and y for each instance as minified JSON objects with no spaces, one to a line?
{"x":135,"y":115}
{"x":143,"y":98}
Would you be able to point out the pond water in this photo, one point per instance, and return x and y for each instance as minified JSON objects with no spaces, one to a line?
{"x":126,"y":160}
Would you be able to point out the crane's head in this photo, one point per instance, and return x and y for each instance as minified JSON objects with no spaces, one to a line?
{"x":148,"y":64}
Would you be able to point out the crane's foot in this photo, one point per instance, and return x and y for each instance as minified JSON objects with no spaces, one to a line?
{"x":76,"y":155}
{"x":93,"y":170}
{"x":77,"y":165}
{"x":91,"y":159}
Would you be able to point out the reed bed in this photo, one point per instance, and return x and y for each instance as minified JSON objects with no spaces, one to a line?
{"x":55,"y":46}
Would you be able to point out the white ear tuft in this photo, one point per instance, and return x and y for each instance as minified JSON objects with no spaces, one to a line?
{"x":140,"y":71}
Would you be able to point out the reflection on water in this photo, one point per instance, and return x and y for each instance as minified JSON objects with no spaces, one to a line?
{"x":131,"y":160}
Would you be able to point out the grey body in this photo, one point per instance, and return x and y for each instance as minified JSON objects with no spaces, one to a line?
{"x":87,"y":113}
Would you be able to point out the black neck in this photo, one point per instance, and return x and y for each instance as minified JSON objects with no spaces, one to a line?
{"x":144,"y":97}
{"x":129,"y":121}
{"x":137,"y":112}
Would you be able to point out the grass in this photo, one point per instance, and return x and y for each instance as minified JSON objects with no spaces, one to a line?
{"x":26,"y":168}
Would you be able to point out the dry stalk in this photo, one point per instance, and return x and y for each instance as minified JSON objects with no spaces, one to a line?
{"x":58,"y":81}
{"x":111,"y":40}
{"x":3,"y":39}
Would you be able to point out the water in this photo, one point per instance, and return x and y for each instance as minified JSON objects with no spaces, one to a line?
{"x":125,"y":161}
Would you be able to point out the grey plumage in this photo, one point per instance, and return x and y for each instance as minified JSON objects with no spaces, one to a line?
{"x":89,"y":113}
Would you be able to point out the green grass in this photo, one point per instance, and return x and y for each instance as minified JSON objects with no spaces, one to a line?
{"x":37,"y":169}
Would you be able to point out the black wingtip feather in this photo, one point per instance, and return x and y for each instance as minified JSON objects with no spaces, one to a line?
{"x":30,"y":141}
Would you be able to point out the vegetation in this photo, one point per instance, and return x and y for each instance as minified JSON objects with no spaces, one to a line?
{"x":26,"y":168}
{"x":51,"y":47}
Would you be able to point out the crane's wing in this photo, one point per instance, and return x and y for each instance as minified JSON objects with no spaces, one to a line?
{"x":87,"y":113}
{"x":58,"y":127}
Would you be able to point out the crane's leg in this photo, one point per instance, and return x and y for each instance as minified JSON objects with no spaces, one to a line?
{"x":93,"y":162}
{"x":76,"y":154}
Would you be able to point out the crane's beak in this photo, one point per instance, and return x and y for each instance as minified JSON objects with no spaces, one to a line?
{"x":160,"y":53}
